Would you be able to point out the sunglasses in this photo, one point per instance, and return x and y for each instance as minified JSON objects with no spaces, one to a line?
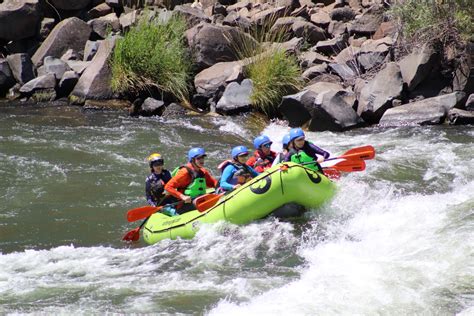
{"x":267,"y":145}
{"x":157,"y":164}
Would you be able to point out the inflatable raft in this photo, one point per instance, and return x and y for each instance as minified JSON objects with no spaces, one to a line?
{"x":286,"y":183}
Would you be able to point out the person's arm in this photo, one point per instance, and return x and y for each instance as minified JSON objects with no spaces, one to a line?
{"x":227,"y":174}
{"x":148,"y":195}
{"x":253,"y":172}
{"x":180,"y":180}
{"x":319,"y":151}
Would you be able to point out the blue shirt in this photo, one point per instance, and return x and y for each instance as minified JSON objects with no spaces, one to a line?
{"x":228,"y":180}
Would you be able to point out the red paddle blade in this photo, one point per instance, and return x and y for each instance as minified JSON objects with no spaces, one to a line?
{"x":332,"y":174}
{"x":350,"y":165}
{"x":364,"y":152}
{"x":203,"y":203}
{"x":132,"y":235}
{"x":141,"y":212}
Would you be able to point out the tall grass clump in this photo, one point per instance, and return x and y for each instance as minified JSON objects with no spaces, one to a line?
{"x":153,"y":53}
{"x":273,"y":71}
{"x":428,"y":20}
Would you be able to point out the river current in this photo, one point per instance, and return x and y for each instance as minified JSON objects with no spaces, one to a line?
{"x":397,"y":239}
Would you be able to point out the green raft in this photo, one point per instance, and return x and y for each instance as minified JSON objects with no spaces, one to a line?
{"x":282,"y":184}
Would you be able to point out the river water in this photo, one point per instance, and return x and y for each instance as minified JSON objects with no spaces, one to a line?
{"x":397,"y":239}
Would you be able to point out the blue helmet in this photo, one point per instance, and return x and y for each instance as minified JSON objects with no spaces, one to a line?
{"x":239,"y":150}
{"x":296,"y":133}
{"x":261,"y":140}
{"x":196,"y":152}
{"x":286,"y":140}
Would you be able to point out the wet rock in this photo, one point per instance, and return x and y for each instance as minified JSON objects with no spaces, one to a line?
{"x":174,"y":110}
{"x":110,"y":104}
{"x":377,"y":95}
{"x":460,"y":117}
{"x":333,"y":112}
{"x":19,"y":19}
{"x":71,"y":33}
{"x":297,"y":108}
{"x":95,"y":81}
{"x":425,"y":112}
{"x":21,"y":67}
{"x":151,"y":107}
{"x":236,"y":98}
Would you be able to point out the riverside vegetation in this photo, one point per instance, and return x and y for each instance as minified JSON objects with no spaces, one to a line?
{"x":324,"y":65}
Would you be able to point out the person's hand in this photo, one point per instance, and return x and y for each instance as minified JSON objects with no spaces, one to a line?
{"x":186,"y":198}
{"x":320,"y":159}
{"x":237,"y":186}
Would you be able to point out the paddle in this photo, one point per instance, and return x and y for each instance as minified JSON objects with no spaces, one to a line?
{"x":364,"y":152}
{"x":331,"y":173}
{"x":204,"y":202}
{"x":344,"y":165}
{"x":145,"y":211}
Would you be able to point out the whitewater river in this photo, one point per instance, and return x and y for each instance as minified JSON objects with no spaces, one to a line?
{"x":398,"y":238}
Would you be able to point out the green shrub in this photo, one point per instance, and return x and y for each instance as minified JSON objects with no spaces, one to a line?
{"x":435,"y":19}
{"x":274,"y":72}
{"x":153,"y":53}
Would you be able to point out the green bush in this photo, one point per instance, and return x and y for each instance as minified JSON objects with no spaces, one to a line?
{"x":153,"y":53}
{"x":274,"y":74}
{"x":435,"y":19}
{"x":273,"y":71}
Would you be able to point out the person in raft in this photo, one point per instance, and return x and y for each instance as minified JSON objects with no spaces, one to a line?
{"x":235,"y":172}
{"x":304,"y":152}
{"x":191,"y":180}
{"x":155,"y":184}
{"x":281,"y":156}
{"x":263,"y":156}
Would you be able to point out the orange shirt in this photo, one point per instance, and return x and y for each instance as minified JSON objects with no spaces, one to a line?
{"x":264,"y":164}
{"x":182,"y":179}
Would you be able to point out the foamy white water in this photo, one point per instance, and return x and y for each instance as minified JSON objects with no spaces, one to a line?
{"x":397,"y":238}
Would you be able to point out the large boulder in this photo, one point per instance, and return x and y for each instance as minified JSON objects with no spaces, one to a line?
{"x":69,"y":33}
{"x":215,"y":78}
{"x":19,"y":19}
{"x":236,"y":97}
{"x":21,"y":67}
{"x":417,"y":66}
{"x":95,"y":81}
{"x":425,"y":112}
{"x":297,"y":108}
{"x":47,"y":81}
{"x":6,"y":77}
{"x":214,"y":43}
{"x":377,"y":95}
{"x":333,"y":112}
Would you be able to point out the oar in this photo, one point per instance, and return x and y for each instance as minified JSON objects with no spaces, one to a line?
{"x":205,"y":202}
{"x":364,"y":152}
{"x":134,"y":234}
{"x":344,"y":165}
{"x":331,"y":173}
{"x":145,"y":211}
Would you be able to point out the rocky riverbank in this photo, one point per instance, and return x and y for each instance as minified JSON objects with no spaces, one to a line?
{"x":355,"y":71}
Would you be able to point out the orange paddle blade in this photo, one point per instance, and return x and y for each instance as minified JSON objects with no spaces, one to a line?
{"x":332,"y":174}
{"x":350,"y":165}
{"x":364,"y":152}
{"x":142,"y":212}
{"x":204,"y":202}
{"x":132,"y":235}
